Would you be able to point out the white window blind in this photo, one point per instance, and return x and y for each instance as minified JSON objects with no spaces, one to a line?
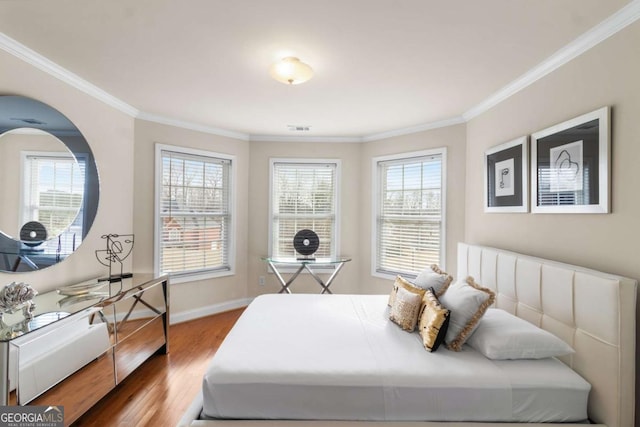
{"x":559,"y":198}
{"x":409,"y":226}
{"x":194,"y":214}
{"x":303,"y":196}
{"x":54,"y":188}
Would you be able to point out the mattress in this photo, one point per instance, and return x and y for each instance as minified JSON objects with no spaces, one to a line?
{"x":338,"y":357}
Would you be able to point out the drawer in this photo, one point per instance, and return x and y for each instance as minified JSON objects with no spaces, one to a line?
{"x":138,"y":347}
{"x":83,"y":389}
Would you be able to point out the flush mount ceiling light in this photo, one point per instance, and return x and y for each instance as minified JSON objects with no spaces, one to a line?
{"x":291,"y":70}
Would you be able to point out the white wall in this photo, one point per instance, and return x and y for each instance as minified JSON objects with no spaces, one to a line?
{"x":608,"y":74}
{"x":605,"y":75}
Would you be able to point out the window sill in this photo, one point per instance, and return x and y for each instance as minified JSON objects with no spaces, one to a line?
{"x":392,"y":276}
{"x":197,"y":277}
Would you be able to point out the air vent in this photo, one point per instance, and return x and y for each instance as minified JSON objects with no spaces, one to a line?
{"x":297,"y":128}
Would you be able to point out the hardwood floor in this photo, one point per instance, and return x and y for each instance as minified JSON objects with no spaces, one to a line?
{"x":158,"y":393}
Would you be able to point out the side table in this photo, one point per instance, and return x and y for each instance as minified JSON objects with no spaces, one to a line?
{"x":305,"y":264}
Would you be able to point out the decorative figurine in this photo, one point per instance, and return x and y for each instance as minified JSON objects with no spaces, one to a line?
{"x":15,"y":296}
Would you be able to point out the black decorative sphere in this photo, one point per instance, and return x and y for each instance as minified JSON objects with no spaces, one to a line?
{"x":306,"y":242}
{"x":33,"y":233}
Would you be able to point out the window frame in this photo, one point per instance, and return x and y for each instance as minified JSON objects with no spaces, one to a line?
{"x":231,"y":244}
{"x":376,"y":180}
{"x":25,"y":193}
{"x":335,"y":247}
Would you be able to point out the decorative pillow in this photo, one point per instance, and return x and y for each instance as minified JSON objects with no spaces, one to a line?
{"x":433,"y":321}
{"x":433,"y":277}
{"x":501,"y":335}
{"x":405,"y":309}
{"x":401,"y":282}
{"x":467,"y":302}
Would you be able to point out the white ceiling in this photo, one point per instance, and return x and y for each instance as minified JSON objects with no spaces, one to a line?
{"x":380,"y":65}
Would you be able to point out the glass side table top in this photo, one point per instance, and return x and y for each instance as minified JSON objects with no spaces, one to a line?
{"x":298,"y":261}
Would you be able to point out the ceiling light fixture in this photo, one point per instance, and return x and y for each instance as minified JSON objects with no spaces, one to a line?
{"x":291,"y":70}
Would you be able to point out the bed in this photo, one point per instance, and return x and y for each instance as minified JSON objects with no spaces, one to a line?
{"x":340,"y":360}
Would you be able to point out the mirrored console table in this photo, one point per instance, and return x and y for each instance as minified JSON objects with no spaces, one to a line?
{"x":82,"y":343}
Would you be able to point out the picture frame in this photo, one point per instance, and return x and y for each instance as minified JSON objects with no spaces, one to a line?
{"x":506,"y":183}
{"x":570,"y":165}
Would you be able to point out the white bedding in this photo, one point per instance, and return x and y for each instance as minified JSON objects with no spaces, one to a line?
{"x":339,"y":357}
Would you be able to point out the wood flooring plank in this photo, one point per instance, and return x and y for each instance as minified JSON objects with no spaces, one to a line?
{"x":161,"y":390}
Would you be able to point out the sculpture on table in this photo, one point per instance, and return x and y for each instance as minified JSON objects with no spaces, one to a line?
{"x":306,"y":243}
{"x":17,"y":296}
{"x":119,"y":247}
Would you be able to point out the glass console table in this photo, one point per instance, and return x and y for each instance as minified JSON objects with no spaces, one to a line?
{"x":80,"y":345}
{"x":305,"y":264}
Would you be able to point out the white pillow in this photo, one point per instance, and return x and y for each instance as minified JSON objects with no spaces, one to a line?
{"x":501,"y":335}
{"x":467,"y":302}
{"x":433,"y":277}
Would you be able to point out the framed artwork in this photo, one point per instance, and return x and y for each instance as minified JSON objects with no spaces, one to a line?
{"x":570,"y":166}
{"x":505,"y":177}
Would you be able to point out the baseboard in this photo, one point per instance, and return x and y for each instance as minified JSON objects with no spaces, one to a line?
{"x":199,"y":312}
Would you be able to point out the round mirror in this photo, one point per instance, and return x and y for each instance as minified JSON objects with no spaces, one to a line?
{"x":48,"y":185}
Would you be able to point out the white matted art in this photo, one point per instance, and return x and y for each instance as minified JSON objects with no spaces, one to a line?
{"x":504,"y":182}
{"x":506,"y":178}
{"x":570,"y":166}
{"x":566,"y":167}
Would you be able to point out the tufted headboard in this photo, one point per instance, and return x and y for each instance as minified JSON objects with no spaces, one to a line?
{"x":592,"y":311}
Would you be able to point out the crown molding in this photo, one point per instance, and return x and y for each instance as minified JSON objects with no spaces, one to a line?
{"x":610,"y":26}
{"x":34,"y":58}
{"x":317,"y":139}
{"x":191,"y":126}
{"x":414,"y":129}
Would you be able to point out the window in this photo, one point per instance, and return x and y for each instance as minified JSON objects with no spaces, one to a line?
{"x":408,"y":223}
{"x":53,"y":196}
{"x":193,"y":213}
{"x":303,"y":195}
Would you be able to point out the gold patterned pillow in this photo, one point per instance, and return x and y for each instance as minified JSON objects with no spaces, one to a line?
{"x":401,"y":282}
{"x":433,"y":321}
{"x":405,"y":309}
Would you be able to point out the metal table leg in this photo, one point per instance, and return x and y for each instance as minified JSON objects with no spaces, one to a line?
{"x":333,"y":276}
{"x":325,"y":285}
{"x":285,"y":284}
{"x":325,"y":288}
